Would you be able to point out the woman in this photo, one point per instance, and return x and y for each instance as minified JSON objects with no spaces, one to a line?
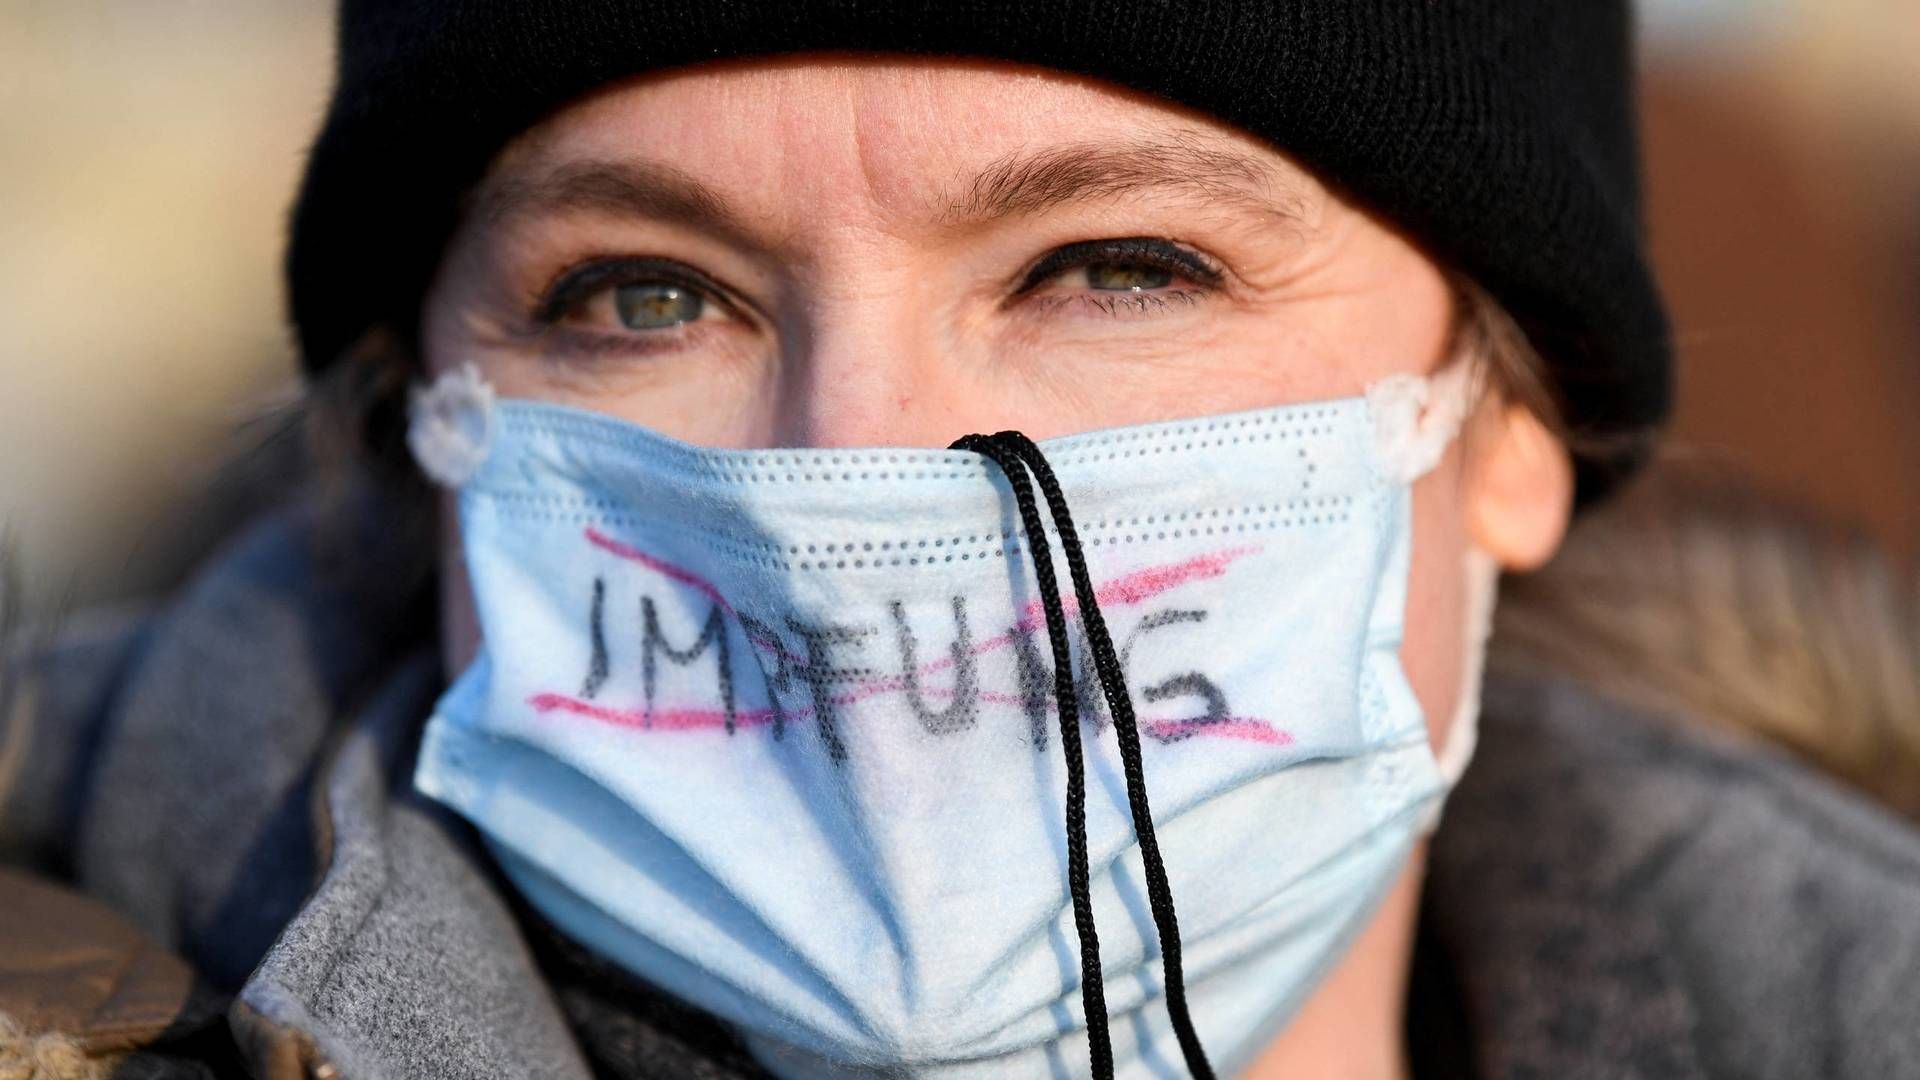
{"x":965,"y":556}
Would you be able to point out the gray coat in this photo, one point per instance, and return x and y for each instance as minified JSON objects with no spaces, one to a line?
{"x":1610,"y":895}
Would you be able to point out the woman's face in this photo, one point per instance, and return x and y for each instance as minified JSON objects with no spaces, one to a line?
{"x":842,"y":252}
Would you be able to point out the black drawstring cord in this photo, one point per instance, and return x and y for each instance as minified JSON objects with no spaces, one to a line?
{"x":1093,"y":994}
{"x":1127,"y":730}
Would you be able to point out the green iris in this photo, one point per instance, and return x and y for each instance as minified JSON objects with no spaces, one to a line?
{"x":656,"y":305}
{"x":1127,"y":277}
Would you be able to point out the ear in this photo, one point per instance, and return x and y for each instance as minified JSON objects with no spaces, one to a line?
{"x":1519,"y":487}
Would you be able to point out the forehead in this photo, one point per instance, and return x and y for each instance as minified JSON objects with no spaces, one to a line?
{"x":904,"y":140}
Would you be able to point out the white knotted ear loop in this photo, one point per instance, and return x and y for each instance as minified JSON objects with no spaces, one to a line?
{"x":1463,"y":734}
{"x":450,"y":425}
{"x":1415,"y":419}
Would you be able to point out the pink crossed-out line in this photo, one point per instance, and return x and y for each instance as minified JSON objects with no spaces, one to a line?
{"x":707,"y":719}
{"x":1127,"y":590}
{"x":1130,"y":589}
{"x":690,"y":579}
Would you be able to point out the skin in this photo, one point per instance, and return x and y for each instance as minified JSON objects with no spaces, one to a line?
{"x":869,"y":228}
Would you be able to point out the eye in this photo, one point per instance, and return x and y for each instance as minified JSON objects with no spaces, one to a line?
{"x":631,"y":296}
{"x":1126,"y":274}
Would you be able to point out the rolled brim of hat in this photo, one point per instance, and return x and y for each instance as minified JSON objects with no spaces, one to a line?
{"x":1500,"y":134}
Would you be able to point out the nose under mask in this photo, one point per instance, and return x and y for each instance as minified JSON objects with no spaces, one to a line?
{"x":819,"y":741}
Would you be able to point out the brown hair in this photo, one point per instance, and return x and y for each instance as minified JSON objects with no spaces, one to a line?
{"x":1692,"y":596}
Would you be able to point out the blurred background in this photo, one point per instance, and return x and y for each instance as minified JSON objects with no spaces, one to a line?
{"x":148,"y":151}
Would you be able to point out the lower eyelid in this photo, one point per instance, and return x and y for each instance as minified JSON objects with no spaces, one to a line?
{"x":565,"y":339}
{"x":1122,"y":304}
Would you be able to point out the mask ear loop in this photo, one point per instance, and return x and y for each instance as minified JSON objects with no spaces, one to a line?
{"x":1463,"y":734}
{"x":1415,"y":419}
{"x":1452,"y":757}
{"x":450,"y":425}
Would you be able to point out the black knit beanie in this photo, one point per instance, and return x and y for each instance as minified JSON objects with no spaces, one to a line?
{"x":1500,"y":133}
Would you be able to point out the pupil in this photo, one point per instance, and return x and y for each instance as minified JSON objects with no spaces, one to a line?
{"x":1128,"y":277}
{"x":656,"y":305}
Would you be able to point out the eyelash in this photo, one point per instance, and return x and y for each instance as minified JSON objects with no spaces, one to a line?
{"x":1120,"y":305}
{"x":585,"y":279}
{"x":1142,"y":250}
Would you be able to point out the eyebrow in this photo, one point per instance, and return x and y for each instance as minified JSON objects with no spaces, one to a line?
{"x":1017,"y":185}
{"x":1028,"y":184}
{"x":630,"y":188}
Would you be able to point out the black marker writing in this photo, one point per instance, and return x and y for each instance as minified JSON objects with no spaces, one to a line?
{"x":821,"y":676}
{"x":597,"y":665}
{"x":653,"y":643}
{"x":1192,"y":683}
{"x":961,"y":712}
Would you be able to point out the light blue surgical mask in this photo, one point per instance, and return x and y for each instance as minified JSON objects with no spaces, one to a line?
{"x":779,"y":730}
